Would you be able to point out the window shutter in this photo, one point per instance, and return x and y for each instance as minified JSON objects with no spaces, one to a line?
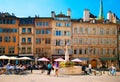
{"x":62,"y":33}
{"x":61,"y":42}
{"x":115,"y":51}
{"x":89,"y":31}
{"x":77,"y":30}
{"x":98,"y":31}
{"x":54,"y":42}
{"x":70,"y":51}
{"x":115,"y":31}
{"x":83,"y":51}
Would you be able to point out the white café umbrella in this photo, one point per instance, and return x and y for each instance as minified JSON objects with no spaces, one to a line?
{"x":59,"y":59}
{"x":4,"y":57}
{"x":13,"y":58}
{"x":43,"y":59}
{"x":24,"y":58}
{"x":76,"y":60}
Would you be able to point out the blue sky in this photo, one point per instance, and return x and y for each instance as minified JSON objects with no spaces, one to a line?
{"x":43,"y":8}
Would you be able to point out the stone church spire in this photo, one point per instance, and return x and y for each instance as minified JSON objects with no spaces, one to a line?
{"x":101,"y":17}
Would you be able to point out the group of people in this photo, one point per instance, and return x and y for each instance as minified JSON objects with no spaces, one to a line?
{"x":20,"y":68}
{"x":54,"y":66}
{"x":49,"y":67}
{"x":101,"y":68}
{"x":87,"y":69}
{"x":112,"y":70}
{"x":11,"y":68}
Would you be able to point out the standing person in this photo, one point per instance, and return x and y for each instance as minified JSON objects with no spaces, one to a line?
{"x":31,"y":67}
{"x":84,"y":69}
{"x":99,"y":67}
{"x":56,"y":67}
{"x":49,"y":67}
{"x":90,"y":68}
{"x":43,"y":68}
{"x":103,"y":68}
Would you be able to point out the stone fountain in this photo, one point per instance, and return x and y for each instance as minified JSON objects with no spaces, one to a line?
{"x":70,"y":70}
{"x":67,"y":54}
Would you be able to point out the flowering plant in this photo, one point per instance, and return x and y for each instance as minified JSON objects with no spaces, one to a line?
{"x":66,"y":64}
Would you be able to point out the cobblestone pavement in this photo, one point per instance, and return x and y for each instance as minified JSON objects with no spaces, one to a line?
{"x":36,"y":76}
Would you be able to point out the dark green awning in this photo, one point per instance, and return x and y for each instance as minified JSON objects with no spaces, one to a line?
{"x":108,"y":58}
{"x":84,"y":59}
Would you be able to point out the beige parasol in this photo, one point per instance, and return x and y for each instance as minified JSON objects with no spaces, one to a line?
{"x":24,"y":58}
{"x":4,"y":57}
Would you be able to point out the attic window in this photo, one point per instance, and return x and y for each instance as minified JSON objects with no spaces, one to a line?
{"x":93,"y":21}
{"x":81,"y":21}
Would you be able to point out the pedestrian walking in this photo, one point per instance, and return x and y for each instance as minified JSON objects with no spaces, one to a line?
{"x":56,"y":68}
{"x":49,"y":67}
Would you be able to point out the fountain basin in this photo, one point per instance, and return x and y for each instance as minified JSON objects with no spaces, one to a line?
{"x":70,"y":70}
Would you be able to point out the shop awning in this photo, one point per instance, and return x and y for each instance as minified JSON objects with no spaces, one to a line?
{"x":108,"y":58}
{"x":86,"y":59}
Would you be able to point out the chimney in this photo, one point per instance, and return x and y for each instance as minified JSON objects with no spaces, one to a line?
{"x":114,"y":18}
{"x":109,"y":16}
{"x":86,"y":15}
{"x":53,"y":14}
{"x":69,"y":12}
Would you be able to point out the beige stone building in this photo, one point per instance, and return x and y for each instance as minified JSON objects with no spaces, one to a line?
{"x":61,"y":34}
{"x":42,"y":38}
{"x":26,"y":37}
{"x":95,"y":42}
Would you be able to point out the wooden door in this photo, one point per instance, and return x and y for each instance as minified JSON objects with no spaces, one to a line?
{"x":94,"y":63}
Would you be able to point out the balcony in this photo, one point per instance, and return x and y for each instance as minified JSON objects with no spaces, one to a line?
{"x":29,"y":33}
{"x":29,"y":43}
{"x":23,"y":43}
{"x":26,"y":53}
{"x":23,"y":33}
{"x":26,"y":43}
{"x":26,"y":33}
{"x":29,"y":52}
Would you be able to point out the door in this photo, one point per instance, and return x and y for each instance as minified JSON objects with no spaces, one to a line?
{"x":94,"y":63}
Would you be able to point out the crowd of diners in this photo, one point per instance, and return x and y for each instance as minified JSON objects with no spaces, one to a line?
{"x":25,"y":67}
{"x":13,"y":68}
